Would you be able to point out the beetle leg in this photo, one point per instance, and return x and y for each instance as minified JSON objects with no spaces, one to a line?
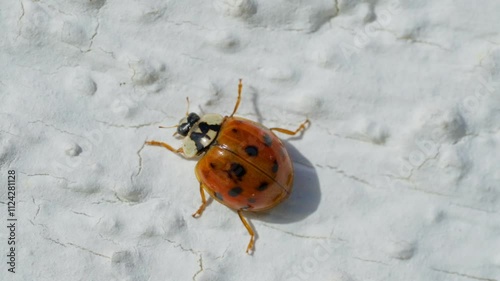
{"x":203,"y":203}
{"x":167,"y":146}
{"x":240,"y":86}
{"x":250,"y":231}
{"x":292,"y":133}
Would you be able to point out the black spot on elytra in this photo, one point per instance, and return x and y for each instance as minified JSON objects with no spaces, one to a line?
{"x":237,"y":170}
{"x":204,"y":128}
{"x":268,"y":141}
{"x":212,"y":165}
{"x":219,"y":196}
{"x":235,"y":191}
{"x":234,"y":130}
{"x":275,"y":166}
{"x":263,"y":186}
{"x":251,"y":150}
{"x":251,"y":200}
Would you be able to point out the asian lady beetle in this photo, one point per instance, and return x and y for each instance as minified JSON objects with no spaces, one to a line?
{"x":242,"y":164}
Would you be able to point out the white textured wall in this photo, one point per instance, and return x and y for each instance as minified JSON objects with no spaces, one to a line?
{"x":396,"y":179}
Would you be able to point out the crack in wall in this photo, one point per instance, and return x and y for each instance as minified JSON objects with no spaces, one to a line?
{"x":9,"y":133}
{"x":192,"y":57}
{"x":54,"y":241}
{"x":197,"y":253}
{"x":88,"y":250}
{"x":38,"y":207}
{"x":200,"y":264}
{"x":130,"y":126}
{"x":109,"y":53}
{"x":414,"y":186}
{"x":301,"y":235}
{"x":63,"y":244}
{"x":73,"y":245}
{"x":140,"y":162}
{"x":337,"y":8}
{"x":419,"y":41}
{"x":118,"y":197}
{"x":56,"y":128}
{"x":463,"y":275}
{"x":344,"y":174}
{"x":19,"y":23}
{"x":108,"y":239}
{"x":81,"y":213}
{"x":475,"y":208}
{"x":96,"y":31}
{"x":409,"y":177}
{"x":370,"y":260}
{"x":104,"y":201}
{"x":46,"y":175}
{"x":410,"y":38}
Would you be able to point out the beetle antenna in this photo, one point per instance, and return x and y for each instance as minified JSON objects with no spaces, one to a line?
{"x":240,"y":86}
{"x":187,"y":110}
{"x":164,"y":127}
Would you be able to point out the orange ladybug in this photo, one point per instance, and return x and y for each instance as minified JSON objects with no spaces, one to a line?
{"x":242,"y":164}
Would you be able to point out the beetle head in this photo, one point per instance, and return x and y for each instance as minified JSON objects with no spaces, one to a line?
{"x":186,"y":123}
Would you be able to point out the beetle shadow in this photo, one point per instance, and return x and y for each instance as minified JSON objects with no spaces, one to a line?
{"x":255,"y":102}
{"x":305,"y":197}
